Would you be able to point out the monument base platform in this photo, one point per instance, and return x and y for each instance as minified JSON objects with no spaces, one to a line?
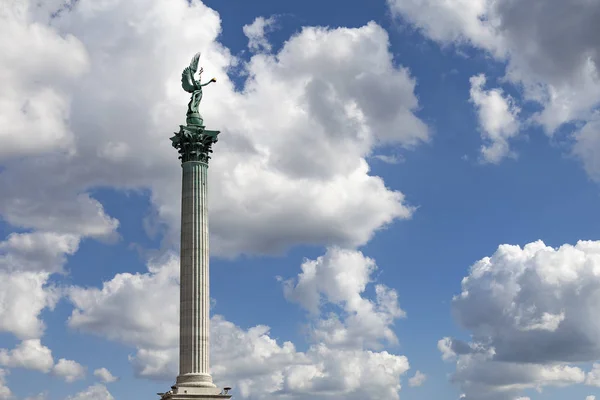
{"x":194,"y":393}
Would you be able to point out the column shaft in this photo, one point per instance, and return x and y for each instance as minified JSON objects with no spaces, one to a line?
{"x":194,"y":294}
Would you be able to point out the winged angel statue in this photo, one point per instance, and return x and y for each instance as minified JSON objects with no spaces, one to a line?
{"x":193,"y":142}
{"x":193,"y":86}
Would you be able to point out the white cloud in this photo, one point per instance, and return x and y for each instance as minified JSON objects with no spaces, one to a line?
{"x":530,"y":312}
{"x":340,"y":278}
{"x":338,"y":84}
{"x":126,"y":310}
{"x":37,"y":251}
{"x":560,"y":74}
{"x":95,"y":392}
{"x":23,"y":296}
{"x":5,"y":392}
{"x":552,"y":59}
{"x":497,"y":119}
{"x":51,"y":205}
{"x":587,"y":146}
{"x":26,"y":262}
{"x":69,"y":370}
{"x":483,"y":378}
{"x":35,"y":107}
{"x":454,"y":21}
{"x":30,"y":354}
{"x":590,"y":397}
{"x":256,"y":31}
{"x":593,"y":377}
{"x":388,"y":159}
{"x":128,"y":307}
{"x":418,"y":379}
{"x":258,"y":367}
{"x":105,"y":375}
{"x":445,"y":347}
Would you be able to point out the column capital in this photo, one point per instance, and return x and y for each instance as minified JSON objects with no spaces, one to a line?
{"x":194,"y":143}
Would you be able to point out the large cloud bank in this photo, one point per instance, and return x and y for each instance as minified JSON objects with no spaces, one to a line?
{"x":531,"y":312}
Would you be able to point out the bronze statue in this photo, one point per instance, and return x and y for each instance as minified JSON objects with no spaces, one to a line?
{"x":193,"y":86}
{"x":193,"y":141}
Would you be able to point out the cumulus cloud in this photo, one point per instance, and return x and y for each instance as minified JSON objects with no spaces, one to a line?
{"x":483,"y":378}
{"x":26,"y":262}
{"x":39,"y":75}
{"x":593,"y":377}
{"x":32,"y":354}
{"x":555,"y":59}
{"x":50,"y":205}
{"x":125,"y":310}
{"x":340,"y":278}
{"x":37,"y":101}
{"x":95,"y":392}
{"x":338,"y":84}
{"x":256,"y":31}
{"x":552,"y":59}
{"x":418,"y":379}
{"x":450,"y":22}
{"x":497,"y":119}
{"x":590,"y":397}
{"x":259,"y":367}
{"x":23,"y":296}
{"x":37,"y":251}
{"x":69,"y":370}
{"x":530,"y":311}
{"x":265,"y":369}
{"x":5,"y":392}
{"x":105,"y":375}
{"x":29,"y":354}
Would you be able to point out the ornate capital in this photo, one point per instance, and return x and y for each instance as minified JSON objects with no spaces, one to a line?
{"x":194,"y":143}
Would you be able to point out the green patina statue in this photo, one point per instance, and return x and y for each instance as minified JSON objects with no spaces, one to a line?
{"x":193,"y":86}
{"x":193,"y":141}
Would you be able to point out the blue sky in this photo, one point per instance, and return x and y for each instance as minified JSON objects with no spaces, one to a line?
{"x":380,"y":157}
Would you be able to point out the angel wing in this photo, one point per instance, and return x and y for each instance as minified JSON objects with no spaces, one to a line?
{"x":187,"y":76}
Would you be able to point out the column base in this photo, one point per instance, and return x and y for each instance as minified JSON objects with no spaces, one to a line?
{"x":194,"y":393}
{"x":195,"y":380}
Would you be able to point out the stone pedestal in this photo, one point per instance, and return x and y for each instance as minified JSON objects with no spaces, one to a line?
{"x":194,"y":394}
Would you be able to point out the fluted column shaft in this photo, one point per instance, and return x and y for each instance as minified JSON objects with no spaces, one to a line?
{"x":194,"y":293}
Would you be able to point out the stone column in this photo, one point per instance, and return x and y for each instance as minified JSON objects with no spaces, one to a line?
{"x":194,"y":294}
{"x":194,"y":381}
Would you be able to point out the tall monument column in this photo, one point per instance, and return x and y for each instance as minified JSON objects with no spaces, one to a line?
{"x":194,"y":144}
